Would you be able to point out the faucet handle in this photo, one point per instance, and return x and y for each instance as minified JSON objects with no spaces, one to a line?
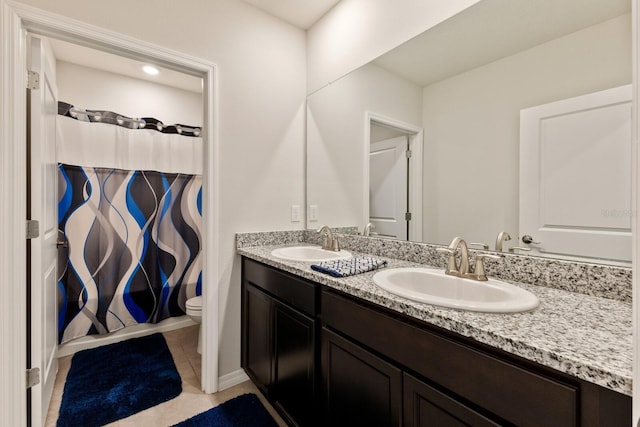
{"x":335,"y":244}
{"x":482,"y":245}
{"x":479,"y":273}
{"x":513,"y":249}
{"x":452,"y":267}
{"x":450,"y":252}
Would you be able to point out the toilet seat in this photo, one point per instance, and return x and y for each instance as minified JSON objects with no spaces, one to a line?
{"x":194,"y":304}
{"x":193,"y":308}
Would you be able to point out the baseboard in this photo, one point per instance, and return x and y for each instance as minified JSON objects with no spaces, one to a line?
{"x":231,"y":379}
{"x":141,"y":330}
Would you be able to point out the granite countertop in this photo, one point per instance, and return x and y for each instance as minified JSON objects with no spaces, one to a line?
{"x":585,"y":336}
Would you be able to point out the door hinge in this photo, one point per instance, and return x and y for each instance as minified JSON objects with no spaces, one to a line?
{"x":33,"y":377}
{"x":32,"y":229}
{"x":33,"y":80}
{"x":407,"y":216}
{"x":408,"y":152}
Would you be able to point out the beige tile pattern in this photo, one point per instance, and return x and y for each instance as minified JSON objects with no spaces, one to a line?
{"x":192,"y":401}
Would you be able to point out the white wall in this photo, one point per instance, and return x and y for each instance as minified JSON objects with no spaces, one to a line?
{"x":261,"y":65}
{"x":471,"y":124}
{"x":336,"y":144}
{"x":94,"y":89}
{"x":355,"y":32}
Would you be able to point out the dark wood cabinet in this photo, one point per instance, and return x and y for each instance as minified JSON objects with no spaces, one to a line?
{"x":426,"y":406}
{"x":359,"y":389}
{"x":294,"y":380}
{"x":382,"y":368}
{"x":280,"y":340}
{"x":257,"y":350}
{"x":508,"y":391}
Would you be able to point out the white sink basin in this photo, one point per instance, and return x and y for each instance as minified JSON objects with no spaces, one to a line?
{"x":432,"y":286}
{"x":309,"y":254}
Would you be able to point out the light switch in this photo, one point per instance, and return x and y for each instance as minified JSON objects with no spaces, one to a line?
{"x":295,"y":213}
{"x":313,"y":212}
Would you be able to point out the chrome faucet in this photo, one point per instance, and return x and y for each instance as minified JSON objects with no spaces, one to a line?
{"x":503,"y":236}
{"x":453,"y":268}
{"x":463,"y":270}
{"x":367,"y":229}
{"x":329,"y":241}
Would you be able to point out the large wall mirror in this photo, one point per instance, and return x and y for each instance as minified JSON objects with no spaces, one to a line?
{"x":513,"y":116}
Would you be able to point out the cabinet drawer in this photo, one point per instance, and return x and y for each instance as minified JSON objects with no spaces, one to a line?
{"x":298,"y":293}
{"x":515,"y":394}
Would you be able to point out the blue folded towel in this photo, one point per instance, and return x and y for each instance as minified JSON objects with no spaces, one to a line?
{"x":349,"y":267}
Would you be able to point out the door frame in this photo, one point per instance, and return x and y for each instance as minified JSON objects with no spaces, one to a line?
{"x":416,"y":142}
{"x":16,"y":19}
{"x":635,"y":203}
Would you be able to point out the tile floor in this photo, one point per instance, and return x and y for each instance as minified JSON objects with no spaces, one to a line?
{"x":191,"y":401}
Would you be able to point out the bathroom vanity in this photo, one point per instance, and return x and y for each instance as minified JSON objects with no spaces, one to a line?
{"x":329,"y":351}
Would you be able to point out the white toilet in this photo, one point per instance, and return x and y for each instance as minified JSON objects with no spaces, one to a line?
{"x":194,"y":311}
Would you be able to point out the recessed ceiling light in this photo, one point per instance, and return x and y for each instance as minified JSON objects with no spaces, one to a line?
{"x":151,"y":70}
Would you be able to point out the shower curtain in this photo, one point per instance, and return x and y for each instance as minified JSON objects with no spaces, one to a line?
{"x":130,"y":208}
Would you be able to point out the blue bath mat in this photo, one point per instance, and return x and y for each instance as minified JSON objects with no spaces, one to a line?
{"x":242,"y":411}
{"x":115,"y":381}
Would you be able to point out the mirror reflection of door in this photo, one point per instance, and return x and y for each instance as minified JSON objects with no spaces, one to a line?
{"x":389,"y":183}
{"x":575,"y":176}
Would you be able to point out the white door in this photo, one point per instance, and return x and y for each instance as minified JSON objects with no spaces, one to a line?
{"x":388,"y":187}
{"x":575,"y":176}
{"x":43,"y":208}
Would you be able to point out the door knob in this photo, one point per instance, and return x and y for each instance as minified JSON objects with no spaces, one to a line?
{"x":528,"y":240}
{"x":62,"y":244}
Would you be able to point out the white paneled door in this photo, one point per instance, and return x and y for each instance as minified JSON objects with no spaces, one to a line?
{"x":43,"y":208}
{"x":575,"y":176}
{"x":388,"y":187}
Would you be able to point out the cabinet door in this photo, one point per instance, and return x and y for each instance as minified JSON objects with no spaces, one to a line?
{"x":294,"y":359}
{"x":358,"y":387}
{"x":257,"y":349}
{"x":424,"y":406}
{"x":521,"y":396}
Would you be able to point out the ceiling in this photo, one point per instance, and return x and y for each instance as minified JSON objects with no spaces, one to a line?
{"x":104,"y":61}
{"x":301,"y":13}
{"x":454,"y":43}
{"x":491,"y":30}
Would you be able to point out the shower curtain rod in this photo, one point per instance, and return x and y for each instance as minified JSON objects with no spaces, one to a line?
{"x":140,"y":122}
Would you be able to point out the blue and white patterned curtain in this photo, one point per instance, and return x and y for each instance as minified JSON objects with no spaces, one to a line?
{"x":134,"y":235}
